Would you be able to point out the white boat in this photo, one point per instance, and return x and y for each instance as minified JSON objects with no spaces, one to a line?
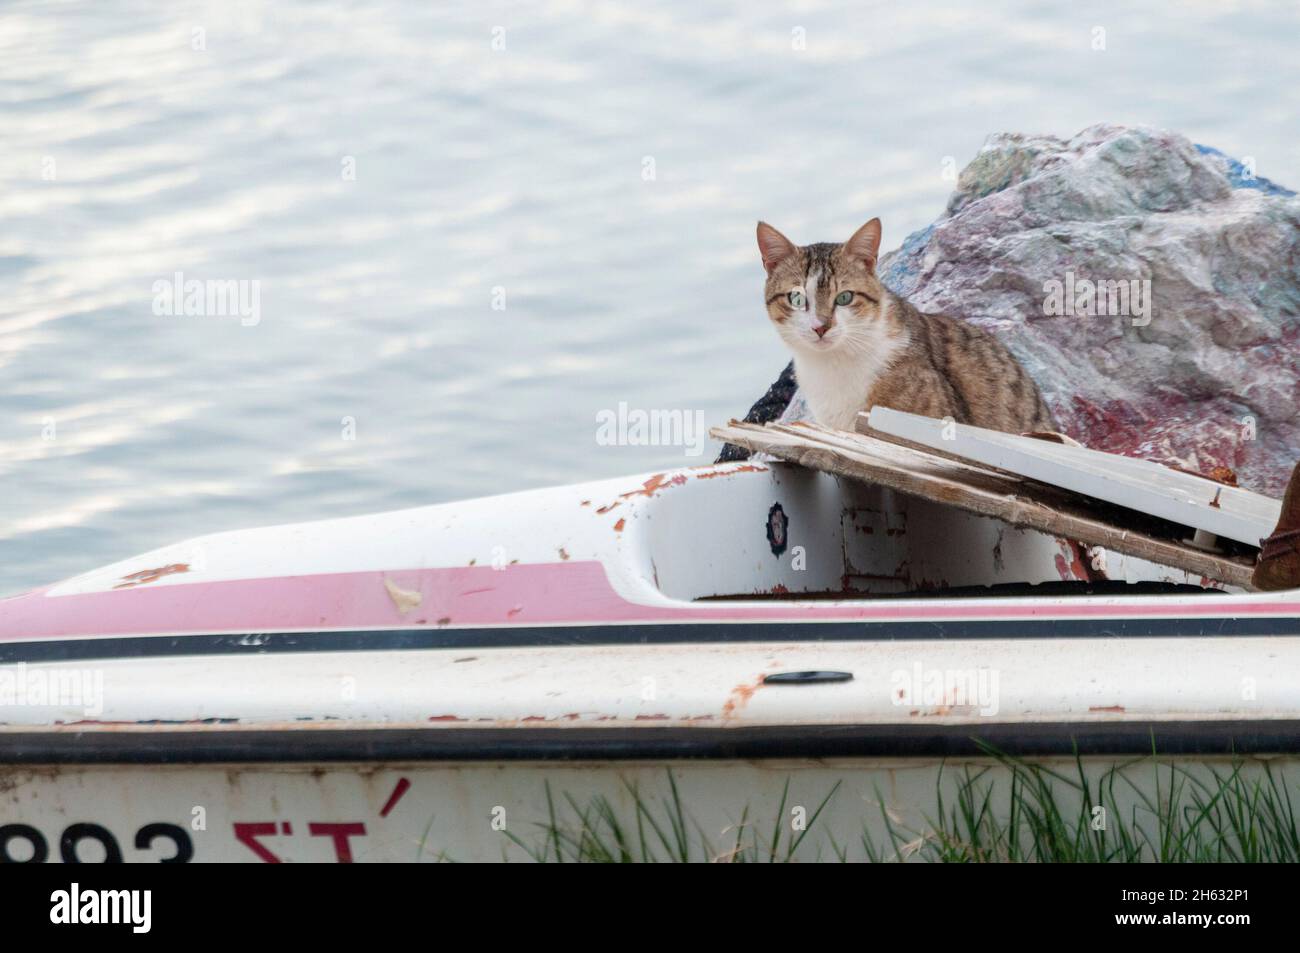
{"x":756,"y":639}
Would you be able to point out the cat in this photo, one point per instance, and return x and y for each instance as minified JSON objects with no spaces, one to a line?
{"x":857,"y":345}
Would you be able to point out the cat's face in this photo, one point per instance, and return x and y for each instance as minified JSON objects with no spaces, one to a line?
{"x":823,"y":298}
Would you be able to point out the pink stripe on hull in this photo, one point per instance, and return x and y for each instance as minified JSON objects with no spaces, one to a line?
{"x":540,"y":594}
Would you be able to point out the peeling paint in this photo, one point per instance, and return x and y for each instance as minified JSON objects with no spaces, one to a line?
{"x":1070,"y":565}
{"x":143,"y":576}
{"x":404,"y":599}
{"x":653,"y":485}
{"x":648,"y":489}
{"x":1082,"y":565}
{"x":744,"y":468}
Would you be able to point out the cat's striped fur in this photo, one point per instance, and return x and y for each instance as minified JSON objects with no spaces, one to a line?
{"x":871,"y":348}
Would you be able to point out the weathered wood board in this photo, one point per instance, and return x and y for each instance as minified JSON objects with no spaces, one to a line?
{"x":978,"y":489}
{"x":1135,"y":484}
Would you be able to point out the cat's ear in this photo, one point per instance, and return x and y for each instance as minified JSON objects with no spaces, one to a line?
{"x":773,"y":246}
{"x":865,"y":243}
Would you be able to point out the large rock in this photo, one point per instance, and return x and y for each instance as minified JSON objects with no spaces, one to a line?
{"x":1207,"y":375}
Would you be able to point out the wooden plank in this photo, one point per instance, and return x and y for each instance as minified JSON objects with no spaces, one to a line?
{"x":1133,"y":483}
{"x":980,"y":490}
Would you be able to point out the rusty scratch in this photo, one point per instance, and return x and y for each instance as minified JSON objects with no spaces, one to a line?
{"x":149,"y":575}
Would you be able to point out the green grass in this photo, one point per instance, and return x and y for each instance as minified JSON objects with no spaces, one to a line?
{"x":1005,"y":811}
{"x":1036,"y":814}
{"x":595,"y":832}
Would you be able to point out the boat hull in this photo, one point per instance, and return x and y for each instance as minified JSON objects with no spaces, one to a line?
{"x":394,"y":687}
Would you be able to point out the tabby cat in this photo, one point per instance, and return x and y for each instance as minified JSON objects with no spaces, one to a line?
{"x":857,"y":345}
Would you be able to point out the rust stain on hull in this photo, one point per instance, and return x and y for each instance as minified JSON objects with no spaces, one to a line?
{"x":746,"y":468}
{"x":740,"y":696}
{"x":654,"y":485}
{"x":149,"y":575}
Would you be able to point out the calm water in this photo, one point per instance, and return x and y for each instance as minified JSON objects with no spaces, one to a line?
{"x":386,"y":176}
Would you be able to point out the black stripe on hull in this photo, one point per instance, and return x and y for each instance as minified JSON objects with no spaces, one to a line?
{"x":314,"y":745}
{"x":679,"y":633}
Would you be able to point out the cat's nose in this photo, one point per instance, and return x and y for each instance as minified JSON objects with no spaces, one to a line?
{"x":821,"y":329}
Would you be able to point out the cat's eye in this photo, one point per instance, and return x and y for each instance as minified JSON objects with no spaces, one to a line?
{"x":844,"y":297}
{"x":797,"y":299}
